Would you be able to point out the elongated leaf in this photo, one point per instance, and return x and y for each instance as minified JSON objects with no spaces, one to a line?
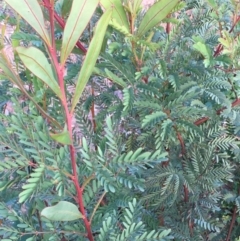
{"x":31,"y":11}
{"x":38,"y":64}
{"x":205,"y":51}
{"x":81,"y":13}
{"x":10,"y":75}
{"x":156,"y":13}
{"x":119,"y":14}
{"x":115,"y":78}
{"x":63,"y":211}
{"x":62,"y":137}
{"x":91,"y":57}
{"x":66,"y":7}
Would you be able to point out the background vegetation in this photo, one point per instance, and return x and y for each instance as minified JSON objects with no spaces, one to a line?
{"x":119,"y":122}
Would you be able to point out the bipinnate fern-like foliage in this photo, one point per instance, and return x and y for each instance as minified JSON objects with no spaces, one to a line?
{"x":185,"y":84}
{"x":44,"y":181}
{"x":156,"y":132}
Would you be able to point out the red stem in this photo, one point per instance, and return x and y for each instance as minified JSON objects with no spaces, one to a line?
{"x":60,"y":74}
{"x":218,"y":50}
{"x":145,"y":79}
{"x":234,"y":214}
{"x":220,"y":47}
{"x":181,"y":141}
{"x":186,"y":194}
{"x":168,"y":28}
{"x":51,"y":15}
{"x":168,"y":25}
{"x":62,"y":24}
{"x":234,"y":24}
{"x":204,"y":119}
{"x":232,"y":224}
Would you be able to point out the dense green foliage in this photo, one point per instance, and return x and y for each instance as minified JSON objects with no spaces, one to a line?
{"x":155,"y":130}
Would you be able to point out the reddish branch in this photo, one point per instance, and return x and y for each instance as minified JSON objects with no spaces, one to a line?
{"x":232,"y":224}
{"x":234,"y":214}
{"x":199,"y":122}
{"x":168,"y":26}
{"x":145,"y":79}
{"x":180,"y":138}
{"x":204,"y":119}
{"x":220,"y":47}
{"x":62,"y":24}
{"x":161,"y":218}
{"x":216,"y":53}
{"x":183,"y":151}
{"x":234,"y":24}
{"x":190,"y":226}
{"x":186,"y":194}
{"x":60,"y":73}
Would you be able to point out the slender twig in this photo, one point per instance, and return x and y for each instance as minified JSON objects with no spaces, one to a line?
{"x":161,"y":218}
{"x":96,"y":206}
{"x":131,"y":19}
{"x":180,"y":138}
{"x":204,"y":119}
{"x":40,"y":223}
{"x":168,"y":25}
{"x":62,"y":24}
{"x":51,"y":15}
{"x":219,"y":22}
{"x":232,"y":224}
{"x":183,"y":151}
{"x":227,"y":70}
{"x":234,"y":214}
{"x":220,"y":47}
{"x":68,"y":116}
{"x":234,"y":24}
{"x":52,"y":232}
{"x":181,"y":141}
{"x":87,"y":180}
{"x":186,"y":193}
{"x":190,"y":226}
